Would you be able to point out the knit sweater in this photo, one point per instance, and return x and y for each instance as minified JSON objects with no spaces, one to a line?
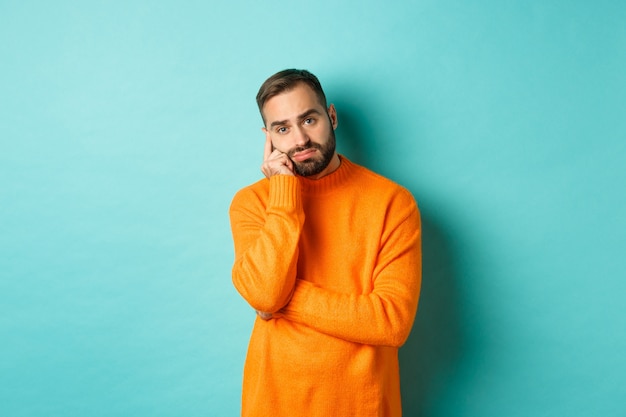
{"x":338,"y":262}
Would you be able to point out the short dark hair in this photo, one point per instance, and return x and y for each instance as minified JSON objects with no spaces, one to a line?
{"x":286,"y":80}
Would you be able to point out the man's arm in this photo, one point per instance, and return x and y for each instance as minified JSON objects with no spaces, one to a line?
{"x":266,"y":237}
{"x":384,"y":316}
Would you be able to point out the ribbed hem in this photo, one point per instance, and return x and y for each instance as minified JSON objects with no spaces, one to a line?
{"x":284,"y":191}
{"x":331,"y":182}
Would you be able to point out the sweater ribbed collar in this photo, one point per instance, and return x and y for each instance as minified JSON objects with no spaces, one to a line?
{"x":333,"y":181}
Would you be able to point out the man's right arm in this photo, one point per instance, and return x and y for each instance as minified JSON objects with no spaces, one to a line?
{"x":266,"y":231}
{"x":266,"y":235}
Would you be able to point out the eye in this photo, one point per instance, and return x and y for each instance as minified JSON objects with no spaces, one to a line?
{"x":309,"y":121}
{"x":281,"y":130}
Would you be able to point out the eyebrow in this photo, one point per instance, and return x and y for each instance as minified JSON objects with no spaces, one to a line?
{"x":300,"y":117}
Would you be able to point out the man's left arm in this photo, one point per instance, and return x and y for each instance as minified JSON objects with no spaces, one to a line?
{"x":385,"y":315}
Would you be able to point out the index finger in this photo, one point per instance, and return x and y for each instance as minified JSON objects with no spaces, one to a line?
{"x":268,"y":147}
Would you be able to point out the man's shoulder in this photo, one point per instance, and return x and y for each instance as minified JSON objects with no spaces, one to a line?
{"x":379,"y":194}
{"x":370,"y":175}
{"x":378,"y":184}
{"x":255,"y":192}
{"x":258,"y":186}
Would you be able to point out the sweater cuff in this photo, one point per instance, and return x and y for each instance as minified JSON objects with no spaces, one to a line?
{"x":284,"y":191}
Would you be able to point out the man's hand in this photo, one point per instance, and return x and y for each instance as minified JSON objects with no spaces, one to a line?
{"x":269,"y":316}
{"x":275,"y":162}
{"x":265,"y":316}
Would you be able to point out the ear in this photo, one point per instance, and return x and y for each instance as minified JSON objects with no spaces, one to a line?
{"x":332,"y":114}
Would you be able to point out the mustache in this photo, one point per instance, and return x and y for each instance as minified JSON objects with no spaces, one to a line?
{"x":312,"y":145}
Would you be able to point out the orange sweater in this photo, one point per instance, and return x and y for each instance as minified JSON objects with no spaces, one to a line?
{"x":338,"y":262}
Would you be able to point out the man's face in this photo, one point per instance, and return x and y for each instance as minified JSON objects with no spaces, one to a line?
{"x":299,"y":126}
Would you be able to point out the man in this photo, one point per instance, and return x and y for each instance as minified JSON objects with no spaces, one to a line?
{"x":328,"y":253}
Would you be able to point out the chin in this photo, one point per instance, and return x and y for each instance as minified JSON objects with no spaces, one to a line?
{"x":310,"y":169}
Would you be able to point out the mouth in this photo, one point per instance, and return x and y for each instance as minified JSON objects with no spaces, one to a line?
{"x":304,"y":155}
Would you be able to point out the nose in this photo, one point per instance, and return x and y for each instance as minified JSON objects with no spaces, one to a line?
{"x":300,"y":137}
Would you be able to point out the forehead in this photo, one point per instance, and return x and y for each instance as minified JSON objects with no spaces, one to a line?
{"x":290,"y":104}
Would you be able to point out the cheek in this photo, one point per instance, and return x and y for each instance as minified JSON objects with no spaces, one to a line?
{"x":321,"y":133}
{"x":279,"y":143}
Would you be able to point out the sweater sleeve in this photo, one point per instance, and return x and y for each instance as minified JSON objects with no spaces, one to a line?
{"x":385,"y":315}
{"x":266,"y":243}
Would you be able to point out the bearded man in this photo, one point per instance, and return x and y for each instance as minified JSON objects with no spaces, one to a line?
{"x":328,"y":254}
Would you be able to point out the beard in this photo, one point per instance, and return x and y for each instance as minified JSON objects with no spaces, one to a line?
{"x":314,"y":165}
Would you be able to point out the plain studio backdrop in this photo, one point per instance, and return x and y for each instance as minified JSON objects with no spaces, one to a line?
{"x":127,"y":126}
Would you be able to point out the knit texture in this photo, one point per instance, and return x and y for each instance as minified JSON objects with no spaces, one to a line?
{"x":338,"y":262}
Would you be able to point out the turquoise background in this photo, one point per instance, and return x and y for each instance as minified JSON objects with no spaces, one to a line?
{"x":126,"y":128}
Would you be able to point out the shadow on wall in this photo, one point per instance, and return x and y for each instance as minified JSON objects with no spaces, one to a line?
{"x":433,"y":351}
